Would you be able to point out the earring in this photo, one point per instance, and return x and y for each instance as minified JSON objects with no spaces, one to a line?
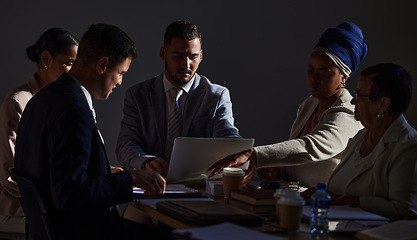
{"x":380,"y":116}
{"x":46,"y":67}
{"x":341,"y":85}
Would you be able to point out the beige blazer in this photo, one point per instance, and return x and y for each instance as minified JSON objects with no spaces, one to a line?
{"x":387,"y":184}
{"x":10,"y":113}
{"x":318,"y":153}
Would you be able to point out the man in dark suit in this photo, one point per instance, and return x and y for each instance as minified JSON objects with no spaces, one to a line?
{"x":60,"y":148}
{"x":145,"y":139}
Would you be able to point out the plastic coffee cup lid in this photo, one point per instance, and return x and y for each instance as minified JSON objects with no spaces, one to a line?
{"x":291,"y":197}
{"x":233,"y":171}
{"x":284,"y":191}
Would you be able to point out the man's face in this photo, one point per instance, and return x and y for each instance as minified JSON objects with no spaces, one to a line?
{"x":111,"y":78}
{"x":181,"y":58}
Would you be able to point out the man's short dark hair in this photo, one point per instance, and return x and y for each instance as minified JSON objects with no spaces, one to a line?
{"x":104,"y":40}
{"x":183,"y":30}
{"x":392,"y":81}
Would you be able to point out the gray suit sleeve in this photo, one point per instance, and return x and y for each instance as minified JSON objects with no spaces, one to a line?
{"x":129,"y":151}
{"x":223,"y":119}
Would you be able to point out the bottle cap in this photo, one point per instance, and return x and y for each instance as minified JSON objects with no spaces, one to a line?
{"x":321,"y":186}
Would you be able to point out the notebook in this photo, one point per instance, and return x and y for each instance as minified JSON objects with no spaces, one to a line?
{"x":207,"y":213}
{"x":191,"y":157}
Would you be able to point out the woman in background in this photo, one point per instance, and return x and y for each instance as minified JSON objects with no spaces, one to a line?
{"x":324,"y":121}
{"x":378,"y":170}
{"x":54,"y":53}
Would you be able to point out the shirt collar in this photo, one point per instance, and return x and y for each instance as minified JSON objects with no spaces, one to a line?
{"x":168,"y":85}
{"x":86,"y":93}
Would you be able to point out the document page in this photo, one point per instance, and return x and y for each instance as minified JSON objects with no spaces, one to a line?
{"x":224,"y":231}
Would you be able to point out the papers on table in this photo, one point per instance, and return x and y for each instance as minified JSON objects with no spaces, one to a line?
{"x":344,"y":212}
{"x":402,"y":229}
{"x":223,"y":231}
{"x":152,"y":202}
{"x":349,"y":219}
{"x":171,"y":191}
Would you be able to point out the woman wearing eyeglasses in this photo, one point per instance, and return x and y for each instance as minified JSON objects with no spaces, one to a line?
{"x":324,"y":121}
{"x":378,"y":170}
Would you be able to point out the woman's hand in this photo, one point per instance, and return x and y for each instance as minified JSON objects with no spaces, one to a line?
{"x":235,"y":160}
{"x":249,"y":174}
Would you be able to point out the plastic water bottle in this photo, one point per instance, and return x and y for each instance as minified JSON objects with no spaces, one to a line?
{"x":320,"y":204}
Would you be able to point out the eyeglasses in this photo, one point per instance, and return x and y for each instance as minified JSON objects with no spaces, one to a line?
{"x":356,"y":95}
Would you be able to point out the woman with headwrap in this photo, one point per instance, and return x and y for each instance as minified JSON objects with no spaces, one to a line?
{"x":324,"y":121}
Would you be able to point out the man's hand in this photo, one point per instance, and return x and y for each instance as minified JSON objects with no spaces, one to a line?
{"x":158,"y":165}
{"x":235,"y":160}
{"x":151,"y":181}
{"x":116,"y":169}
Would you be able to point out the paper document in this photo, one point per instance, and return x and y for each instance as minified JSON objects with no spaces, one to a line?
{"x":402,"y":229}
{"x":223,"y":231}
{"x":152,"y":202}
{"x":171,"y":191}
{"x":170,"y":188}
{"x":344,"y":212}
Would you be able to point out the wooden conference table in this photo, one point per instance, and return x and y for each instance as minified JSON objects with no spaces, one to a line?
{"x":269,"y":226}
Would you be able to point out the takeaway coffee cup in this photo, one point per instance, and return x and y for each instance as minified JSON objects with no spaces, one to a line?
{"x":290,"y":205}
{"x":232,"y":179}
{"x":278,"y":193}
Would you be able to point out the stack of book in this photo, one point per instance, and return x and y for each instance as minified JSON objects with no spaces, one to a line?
{"x":253,"y":200}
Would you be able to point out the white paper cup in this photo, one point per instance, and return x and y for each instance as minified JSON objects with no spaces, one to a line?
{"x":290,"y":208}
{"x":232,"y":179}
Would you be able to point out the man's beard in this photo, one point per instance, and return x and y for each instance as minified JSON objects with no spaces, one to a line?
{"x":180,"y":81}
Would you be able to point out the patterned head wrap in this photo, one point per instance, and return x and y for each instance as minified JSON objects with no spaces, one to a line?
{"x":344,"y":45}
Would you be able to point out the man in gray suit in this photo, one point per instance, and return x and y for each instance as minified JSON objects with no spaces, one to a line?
{"x":203,"y":109}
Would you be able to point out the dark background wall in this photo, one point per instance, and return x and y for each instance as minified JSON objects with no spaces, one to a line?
{"x":258,"y":49}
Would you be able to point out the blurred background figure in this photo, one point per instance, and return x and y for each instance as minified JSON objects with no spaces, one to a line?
{"x":54,"y":53}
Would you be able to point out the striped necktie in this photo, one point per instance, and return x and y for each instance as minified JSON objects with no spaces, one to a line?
{"x":174,"y":120}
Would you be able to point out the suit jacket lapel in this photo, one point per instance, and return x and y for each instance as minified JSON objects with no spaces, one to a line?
{"x":391,"y":135}
{"x":77,"y":87}
{"x":303,"y":117}
{"x":194,"y":101}
{"x":158,"y":102}
{"x":379,"y":148}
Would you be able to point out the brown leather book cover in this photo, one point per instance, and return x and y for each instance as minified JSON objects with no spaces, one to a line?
{"x":259,"y":209}
{"x":207,"y":213}
{"x":254,"y":196}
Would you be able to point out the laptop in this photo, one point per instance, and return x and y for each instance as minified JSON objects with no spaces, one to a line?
{"x":191,"y":157}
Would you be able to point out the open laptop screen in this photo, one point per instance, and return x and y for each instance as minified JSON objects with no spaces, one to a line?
{"x":191,"y":157}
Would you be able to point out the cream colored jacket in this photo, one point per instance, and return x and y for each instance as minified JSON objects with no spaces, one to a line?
{"x":316,"y":154}
{"x":10,"y":113}
{"x":387,"y":184}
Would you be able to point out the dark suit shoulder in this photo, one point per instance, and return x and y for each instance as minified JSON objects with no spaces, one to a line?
{"x":62,"y":94}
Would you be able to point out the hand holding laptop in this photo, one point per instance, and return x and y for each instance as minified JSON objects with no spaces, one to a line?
{"x":234,"y":160}
{"x":191,"y":157}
